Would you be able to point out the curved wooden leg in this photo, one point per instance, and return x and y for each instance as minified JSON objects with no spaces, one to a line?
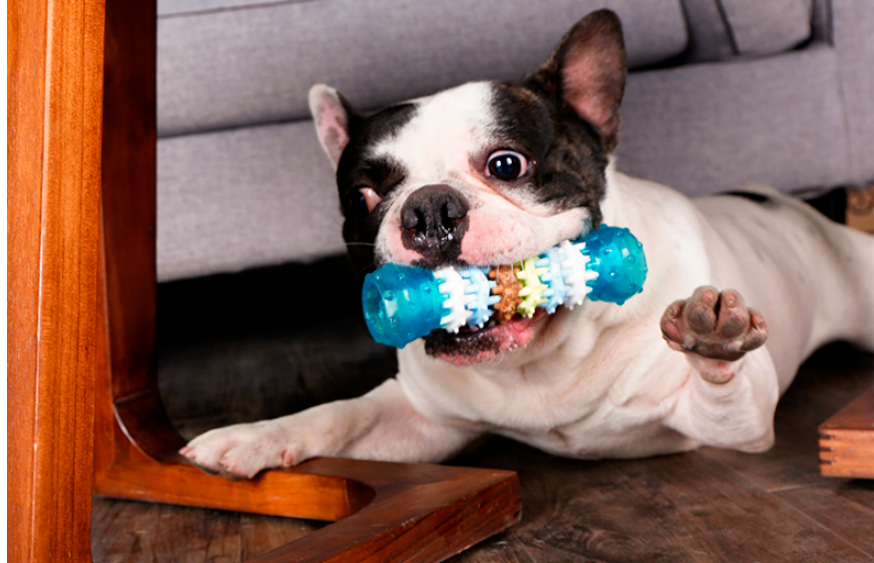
{"x":385,"y":511}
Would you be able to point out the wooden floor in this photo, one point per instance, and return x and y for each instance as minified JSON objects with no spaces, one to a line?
{"x":709,"y":505}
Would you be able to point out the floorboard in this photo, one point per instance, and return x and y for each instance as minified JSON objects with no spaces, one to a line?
{"x":847,"y":508}
{"x":703,"y":506}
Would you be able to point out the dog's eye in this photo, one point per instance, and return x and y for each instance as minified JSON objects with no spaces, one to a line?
{"x":506,"y":166}
{"x":363,"y":201}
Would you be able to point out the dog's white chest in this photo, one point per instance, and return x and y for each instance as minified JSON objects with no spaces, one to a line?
{"x":577,"y":402}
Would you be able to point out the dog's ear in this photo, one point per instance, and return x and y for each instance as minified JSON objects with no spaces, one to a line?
{"x":587,"y":71}
{"x":334,"y":117}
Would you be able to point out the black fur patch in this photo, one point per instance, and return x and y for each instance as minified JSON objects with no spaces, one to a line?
{"x":569,"y":161}
{"x":356,"y":170}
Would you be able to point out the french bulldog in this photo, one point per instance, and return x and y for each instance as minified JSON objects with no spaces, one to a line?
{"x":740,"y":290}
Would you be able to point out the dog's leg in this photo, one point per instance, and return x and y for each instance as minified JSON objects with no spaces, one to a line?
{"x":381,"y":425}
{"x":730,"y":397}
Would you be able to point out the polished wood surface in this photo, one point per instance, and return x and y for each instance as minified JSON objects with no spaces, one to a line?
{"x":846,"y":440}
{"x":54,"y":74}
{"x":129,"y":199}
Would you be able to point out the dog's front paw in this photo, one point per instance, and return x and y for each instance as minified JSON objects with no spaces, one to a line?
{"x":714,"y":325}
{"x":243,"y":450}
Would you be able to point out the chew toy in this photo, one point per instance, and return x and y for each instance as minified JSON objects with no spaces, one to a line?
{"x":403,"y":303}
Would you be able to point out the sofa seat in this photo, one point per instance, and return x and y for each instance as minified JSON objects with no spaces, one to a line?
{"x":230,"y":64}
{"x":712,"y":102}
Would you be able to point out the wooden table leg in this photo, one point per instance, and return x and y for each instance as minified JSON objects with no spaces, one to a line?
{"x":54,"y":72}
{"x":386,"y":511}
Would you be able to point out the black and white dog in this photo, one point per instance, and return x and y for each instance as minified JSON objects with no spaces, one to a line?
{"x":491,"y":174}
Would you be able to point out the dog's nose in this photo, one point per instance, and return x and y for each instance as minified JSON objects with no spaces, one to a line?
{"x":434,"y":220}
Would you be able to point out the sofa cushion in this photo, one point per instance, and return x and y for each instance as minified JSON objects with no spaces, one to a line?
{"x":236,"y":199}
{"x":257,"y":196}
{"x":709,"y":128}
{"x":721,"y":29}
{"x":854,"y":39}
{"x":227,"y":64}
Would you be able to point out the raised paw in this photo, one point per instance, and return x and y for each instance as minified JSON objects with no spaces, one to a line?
{"x":241,"y":451}
{"x":713,"y":325}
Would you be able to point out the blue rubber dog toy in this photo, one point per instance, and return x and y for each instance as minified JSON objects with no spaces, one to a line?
{"x":403,"y":303}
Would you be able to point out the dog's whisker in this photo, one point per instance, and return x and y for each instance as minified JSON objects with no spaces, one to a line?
{"x":365,"y":268}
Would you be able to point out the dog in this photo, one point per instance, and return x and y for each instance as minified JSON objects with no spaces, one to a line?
{"x":491,"y":173}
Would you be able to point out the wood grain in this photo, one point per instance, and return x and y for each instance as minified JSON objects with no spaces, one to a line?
{"x":133,"y":532}
{"x":54,"y":72}
{"x":25,"y":75}
{"x":260,"y":534}
{"x":846,"y":440}
{"x":672,"y":508}
{"x":129,"y":199}
{"x":845,"y":508}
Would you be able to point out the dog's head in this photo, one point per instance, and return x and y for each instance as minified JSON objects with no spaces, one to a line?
{"x":481,"y":174}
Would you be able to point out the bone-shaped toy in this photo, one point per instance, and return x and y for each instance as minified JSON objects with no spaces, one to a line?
{"x":403,"y":303}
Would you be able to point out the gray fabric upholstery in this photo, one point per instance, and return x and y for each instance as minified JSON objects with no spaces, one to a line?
{"x":190,"y":7}
{"x":708,"y":33}
{"x":765,"y":28}
{"x":721,"y":29}
{"x":259,"y":195}
{"x":709,"y":128}
{"x":821,"y":25}
{"x":264,"y":194}
{"x":246,"y":197}
{"x":854,"y":38}
{"x":233,"y":67}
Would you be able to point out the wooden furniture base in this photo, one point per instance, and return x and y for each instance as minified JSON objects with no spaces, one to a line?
{"x":846,"y":440}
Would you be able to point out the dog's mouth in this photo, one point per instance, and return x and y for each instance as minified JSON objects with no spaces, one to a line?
{"x":472,"y":345}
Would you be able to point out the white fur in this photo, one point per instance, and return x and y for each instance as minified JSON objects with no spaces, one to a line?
{"x":330,"y":120}
{"x":598,"y":380}
{"x":436,"y":150}
{"x":433,"y":148}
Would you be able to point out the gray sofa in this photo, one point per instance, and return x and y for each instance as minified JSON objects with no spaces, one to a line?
{"x":721,"y":92}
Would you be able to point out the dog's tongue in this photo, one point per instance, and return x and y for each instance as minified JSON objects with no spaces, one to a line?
{"x":473,"y":347}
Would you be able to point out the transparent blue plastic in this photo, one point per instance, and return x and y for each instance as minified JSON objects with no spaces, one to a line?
{"x":617,"y":257}
{"x":403,"y":303}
